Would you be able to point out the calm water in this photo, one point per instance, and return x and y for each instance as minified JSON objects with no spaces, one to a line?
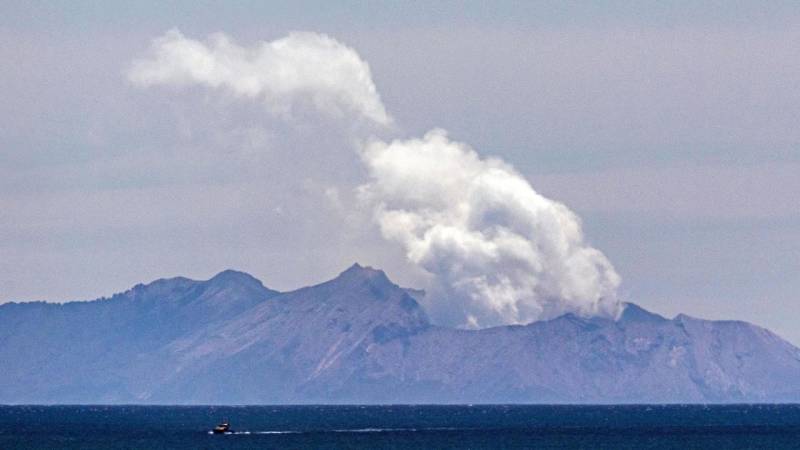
{"x":613,"y":427}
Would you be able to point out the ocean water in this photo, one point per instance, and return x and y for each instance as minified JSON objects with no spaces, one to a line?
{"x":437,"y":427}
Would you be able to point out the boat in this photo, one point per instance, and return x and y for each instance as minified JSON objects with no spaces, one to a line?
{"x":222,"y":428}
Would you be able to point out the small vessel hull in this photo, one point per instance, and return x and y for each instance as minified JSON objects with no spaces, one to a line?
{"x":222,"y":428}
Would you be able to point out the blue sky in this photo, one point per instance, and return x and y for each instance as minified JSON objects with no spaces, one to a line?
{"x":669,"y":127}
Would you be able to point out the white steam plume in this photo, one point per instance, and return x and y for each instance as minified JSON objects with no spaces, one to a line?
{"x":500,"y":253}
{"x":310,"y":65}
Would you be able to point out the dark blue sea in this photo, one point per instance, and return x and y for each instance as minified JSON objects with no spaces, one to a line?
{"x":437,"y":427}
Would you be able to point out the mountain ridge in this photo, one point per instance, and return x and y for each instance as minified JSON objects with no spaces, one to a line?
{"x":360,"y":338}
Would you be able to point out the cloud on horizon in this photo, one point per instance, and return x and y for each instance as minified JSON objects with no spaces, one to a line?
{"x":495,"y":250}
{"x":299,"y":66}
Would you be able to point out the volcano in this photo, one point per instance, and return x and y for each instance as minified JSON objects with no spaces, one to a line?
{"x":360,"y":338}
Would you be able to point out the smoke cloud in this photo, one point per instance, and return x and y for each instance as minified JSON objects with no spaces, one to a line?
{"x":302,"y":65}
{"x":499,"y":252}
{"x":496,"y":251}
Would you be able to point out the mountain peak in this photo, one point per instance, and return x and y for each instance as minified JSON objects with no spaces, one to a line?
{"x":359,"y":272}
{"x":635,"y":313}
{"x":371,"y":283}
{"x":234,"y":276}
{"x":231,"y":284}
{"x":157,"y":289}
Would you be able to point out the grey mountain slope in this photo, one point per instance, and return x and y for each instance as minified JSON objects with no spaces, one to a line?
{"x":359,"y":338}
{"x":96,"y":350}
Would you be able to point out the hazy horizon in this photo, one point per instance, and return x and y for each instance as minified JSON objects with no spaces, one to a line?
{"x":670,"y":132}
